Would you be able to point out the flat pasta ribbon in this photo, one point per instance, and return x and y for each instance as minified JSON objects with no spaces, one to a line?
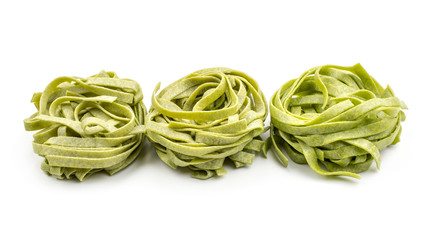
{"x":338,"y":117}
{"x":206,"y":117}
{"x":88,"y":125}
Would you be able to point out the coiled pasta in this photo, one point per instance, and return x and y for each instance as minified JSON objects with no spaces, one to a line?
{"x":206,"y":117}
{"x":88,"y":125}
{"x":337,"y":116}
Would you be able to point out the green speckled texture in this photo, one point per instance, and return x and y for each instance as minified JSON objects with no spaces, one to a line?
{"x":205,"y":118}
{"x":88,"y":125}
{"x":335,"y":119}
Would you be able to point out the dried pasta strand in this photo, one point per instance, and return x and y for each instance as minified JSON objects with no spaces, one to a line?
{"x":337,"y":117}
{"x":88,"y":125}
{"x":205,"y":118}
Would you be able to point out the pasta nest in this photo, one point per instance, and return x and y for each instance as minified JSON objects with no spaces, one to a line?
{"x":88,"y":125}
{"x":206,"y":117}
{"x":339,"y":117}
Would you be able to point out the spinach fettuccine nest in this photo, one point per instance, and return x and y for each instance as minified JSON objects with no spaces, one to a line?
{"x":334,"y":117}
{"x":88,"y":125}
{"x":205,"y":118}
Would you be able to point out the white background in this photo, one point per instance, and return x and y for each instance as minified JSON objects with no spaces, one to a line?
{"x":161,"y":41}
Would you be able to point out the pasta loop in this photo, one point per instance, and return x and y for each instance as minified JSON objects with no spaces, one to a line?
{"x":336,"y":117}
{"x":88,"y":125}
{"x":206,"y":117}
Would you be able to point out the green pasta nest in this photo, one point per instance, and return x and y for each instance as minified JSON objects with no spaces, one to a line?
{"x":337,"y":116}
{"x":206,"y":117}
{"x":88,"y":125}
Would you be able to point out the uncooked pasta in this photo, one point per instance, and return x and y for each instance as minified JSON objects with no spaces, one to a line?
{"x":336,"y":117}
{"x":88,"y":125}
{"x":205,"y":118}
